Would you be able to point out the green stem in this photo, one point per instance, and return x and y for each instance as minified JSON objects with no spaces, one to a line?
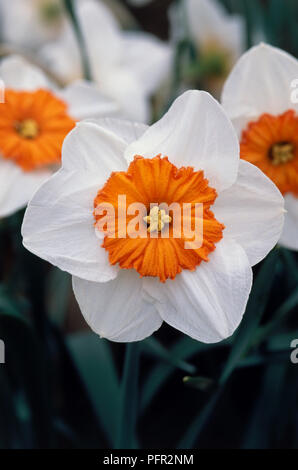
{"x":129,"y":399}
{"x":69,"y":6}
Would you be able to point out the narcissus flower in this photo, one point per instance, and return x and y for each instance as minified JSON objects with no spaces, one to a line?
{"x":127,"y":66}
{"x":260,"y":99}
{"x":34,"y":120}
{"x":31,"y":23}
{"x":218,"y":37}
{"x":126,"y":283}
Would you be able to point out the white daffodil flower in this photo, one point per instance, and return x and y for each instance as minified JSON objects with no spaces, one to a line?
{"x":30,"y":23}
{"x":260,"y":96}
{"x":218,"y":36}
{"x":34,"y":119}
{"x":128,"y":66}
{"x":127,"y":284}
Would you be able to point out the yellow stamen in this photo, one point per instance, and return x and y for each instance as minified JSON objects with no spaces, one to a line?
{"x":282,"y":152}
{"x":157,"y":219}
{"x":28,"y":128}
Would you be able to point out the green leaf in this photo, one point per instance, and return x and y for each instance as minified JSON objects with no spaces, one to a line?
{"x":196,"y":427}
{"x":262,"y":418}
{"x":201,"y":383}
{"x":254,"y":311}
{"x":254,"y":14}
{"x":278,"y":318}
{"x":243,"y":338}
{"x":291,"y":265}
{"x":25,"y":362}
{"x":154,"y":346}
{"x":10,"y":426}
{"x":94,"y":361}
{"x":129,"y":398}
{"x":58,"y":294}
{"x":182,"y":350}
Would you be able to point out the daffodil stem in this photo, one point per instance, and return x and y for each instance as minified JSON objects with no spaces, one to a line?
{"x":129,"y":398}
{"x":69,"y":6}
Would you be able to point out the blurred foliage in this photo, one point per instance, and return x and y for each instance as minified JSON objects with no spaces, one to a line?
{"x":62,"y":389}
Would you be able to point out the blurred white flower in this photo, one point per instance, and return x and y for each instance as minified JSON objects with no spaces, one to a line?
{"x":218,"y":36}
{"x":116,"y":280}
{"x":128,"y":66}
{"x":34,"y":119}
{"x":30,"y":23}
{"x":259,"y":98}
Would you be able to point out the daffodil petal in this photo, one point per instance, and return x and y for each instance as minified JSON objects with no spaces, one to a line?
{"x":124,"y":86}
{"x":116,"y":310}
{"x":19,"y":74}
{"x":93,"y":148}
{"x":128,"y":131}
{"x":59,"y":226}
{"x":206,"y":304}
{"x":252,"y":211}
{"x":289,"y":237}
{"x":152,"y":71}
{"x":260,"y":83}
{"x":194,"y":132}
{"x":17,"y":187}
{"x":85,"y":101}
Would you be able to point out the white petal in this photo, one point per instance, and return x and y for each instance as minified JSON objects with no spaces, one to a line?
{"x":62,"y":56}
{"x":128,"y":131}
{"x":207,"y":304}
{"x":117,"y":310}
{"x":93,"y":148}
{"x":194,"y":132}
{"x":121,"y":84}
{"x":252,"y":211}
{"x":23,"y":24}
{"x":59,"y":226}
{"x":85,"y":100}
{"x":101,"y":32}
{"x":19,"y":74}
{"x":260,"y":83}
{"x":17,"y":187}
{"x":289,"y":237}
{"x":209,"y":21}
{"x":149,"y":58}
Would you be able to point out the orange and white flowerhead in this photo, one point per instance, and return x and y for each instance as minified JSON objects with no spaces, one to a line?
{"x":130,"y":279}
{"x":260,"y":99}
{"x":34,"y":120}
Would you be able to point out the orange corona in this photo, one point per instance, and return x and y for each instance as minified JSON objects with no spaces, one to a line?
{"x":33,"y":126}
{"x":157,"y":180}
{"x":271,"y":143}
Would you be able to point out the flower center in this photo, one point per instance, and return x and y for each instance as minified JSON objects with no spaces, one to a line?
{"x":271,"y":143}
{"x":157,"y":219}
{"x":28,"y":128}
{"x":282,"y":152}
{"x":33,"y":125}
{"x":168,"y":244}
